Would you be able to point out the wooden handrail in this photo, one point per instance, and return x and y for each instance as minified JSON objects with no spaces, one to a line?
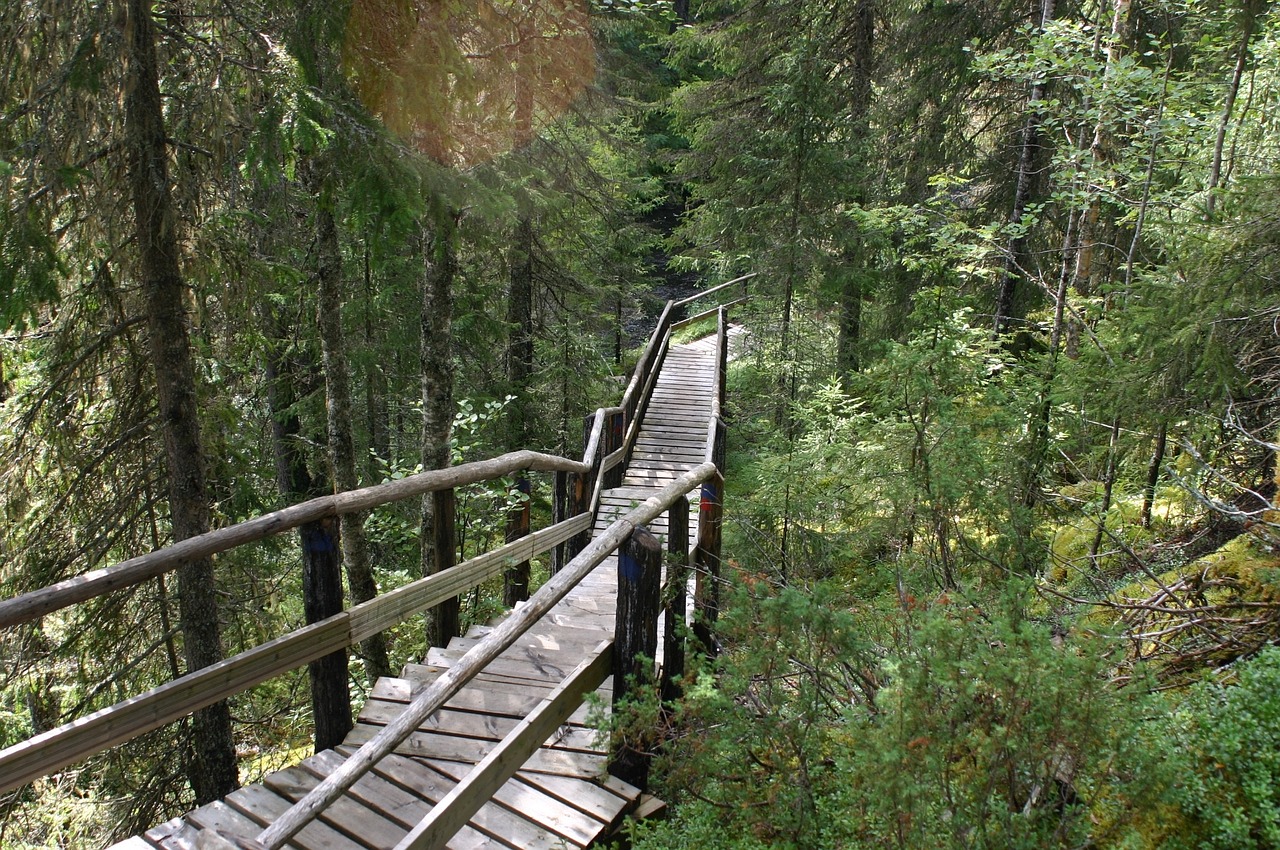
{"x":706,"y":314}
{"x":704,"y":293}
{"x":37,"y":603}
{"x":490,"y":647}
{"x":86,"y":736}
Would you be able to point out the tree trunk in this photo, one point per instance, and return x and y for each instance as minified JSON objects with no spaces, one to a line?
{"x":1100,"y":154}
{"x":376,"y":380}
{"x":1250,"y":13}
{"x":519,"y":357}
{"x":1153,"y":471}
{"x":436,"y":356}
{"x":1028,"y":150}
{"x":861,"y":91}
{"x":339,"y":415}
{"x":212,"y":762}
{"x":321,"y":566}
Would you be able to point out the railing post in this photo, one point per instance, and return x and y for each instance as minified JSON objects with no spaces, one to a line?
{"x":559,"y":513}
{"x":515,"y":582}
{"x":443,"y":619}
{"x":616,"y":431}
{"x":581,"y":485}
{"x":707,"y":556}
{"x":321,"y":598}
{"x":635,"y":644}
{"x":675,"y":600}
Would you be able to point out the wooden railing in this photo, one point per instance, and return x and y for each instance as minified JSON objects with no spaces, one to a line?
{"x":609,"y":439}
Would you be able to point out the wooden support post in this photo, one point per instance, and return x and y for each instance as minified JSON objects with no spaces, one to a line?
{"x":635,"y":642}
{"x":706,"y":592}
{"x":675,"y":600}
{"x":559,"y":513}
{"x":322,"y":598}
{"x":515,"y":582}
{"x":581,"y":486}
{"x":443,"y":623}
{"x":616,"y":431}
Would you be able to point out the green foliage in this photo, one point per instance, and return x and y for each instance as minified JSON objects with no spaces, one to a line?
{"x":1225,"y":740}
{"x":949,"y":725}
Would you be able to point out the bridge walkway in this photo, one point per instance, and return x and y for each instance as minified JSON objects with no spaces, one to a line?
{"x":562,"y":796}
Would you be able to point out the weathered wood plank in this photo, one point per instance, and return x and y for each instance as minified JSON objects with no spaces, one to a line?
{"x":479,"y":698}
{"x":175,"y":834}
{"x":132,"y":843}
{"x":567,"y":822}
{"x":363,"y":824}
{"x":473,"y":750}
{"x":478,"y":725}
{"x":502,"y":762}
{"x":76,"y":741}
{"x":79,"y":739}
{"x":223,"y":819}
{"x":416,"y":779}
{"x":598,"y":797}
{"x":265,"y":806}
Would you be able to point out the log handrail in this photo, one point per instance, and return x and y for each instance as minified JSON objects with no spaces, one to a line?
{"x":93,"y":733}
{"x":704,"y":293}
{"x":37,"y":603}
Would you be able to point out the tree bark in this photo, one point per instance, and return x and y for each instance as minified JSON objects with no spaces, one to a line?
{"x":1100,"y":154}
{"x":519,"y":362}
{"x":1028,"y":150}
{"x":321,"y":565}
{"x":211,"y":765}
{"x":436,"y":360}
{"x":1153,"y":471}
{"x":339,"y":415}
{"x":861,"y":91}
{"x":1250,"y":13}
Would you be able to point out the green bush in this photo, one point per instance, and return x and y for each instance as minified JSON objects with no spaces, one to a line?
{"x":1226,"y":742}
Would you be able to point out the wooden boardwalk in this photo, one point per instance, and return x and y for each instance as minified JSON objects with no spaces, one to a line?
{"x":562,"y":796}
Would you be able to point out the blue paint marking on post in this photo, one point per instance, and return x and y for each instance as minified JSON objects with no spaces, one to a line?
{"x":628,"y":566}
{"x":319,"y":542}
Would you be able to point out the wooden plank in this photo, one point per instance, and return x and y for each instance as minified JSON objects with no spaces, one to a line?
{"x":514,"y":703}
{"x":502,"y":762}
{"x":76,"y":741}
{"x":79,"y":739}
{"x":265,"y":806}
{"x":547,"y":597}
{"x":589,"y":796}
{"x":175,"y":834}
{"x":488,"y":681}
{"x":719,"y":288}
{"x":478,"y":725}
{"x":415,"y":779}
{"x":473,"y":750}
{"x":547,"y":672}
{"x":223,"y":819}
{"x":388,"y":799}
{"x":132,"y":843}
{"x":348,"y":815}
{"x":568,"y":822}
